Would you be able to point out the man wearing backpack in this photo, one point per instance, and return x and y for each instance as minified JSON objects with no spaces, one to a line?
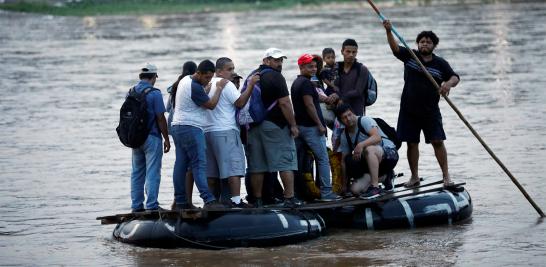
{"x":305,"y":100}
{"x":189,"y":120}
{"x":270,"y":144}
{"x":419,"y":110}
{"x":366,"y":149}
{"x":146,"y":174}
{"x":225,"y":153}
{"x":357,"y":87}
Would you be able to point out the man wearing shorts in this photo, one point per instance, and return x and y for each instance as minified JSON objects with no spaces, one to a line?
{"x":225,"y":153}
{"x":419,"y":108}
{"x":271,"y":146}
{"x":370,"y":150}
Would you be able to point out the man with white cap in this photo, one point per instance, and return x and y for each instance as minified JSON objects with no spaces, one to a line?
{"x":146,"y":174}
{"x":270,"y":145}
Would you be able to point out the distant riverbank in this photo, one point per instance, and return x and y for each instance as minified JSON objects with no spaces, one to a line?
{"x":136,"y":7}
{"x":141,"y":7}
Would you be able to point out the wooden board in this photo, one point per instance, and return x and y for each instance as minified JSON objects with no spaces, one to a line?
{"x":203,"y":213}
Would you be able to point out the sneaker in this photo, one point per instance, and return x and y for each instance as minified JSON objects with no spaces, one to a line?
{"x":159,"y":208}
{"x":241,"y":205}
{"x":372,"y":192}
{"x":185,"y":206}
{"x":388,"y":183}
{"x":138,"y":210}
{"x":292,"y":202}
{"x":215,"y":204}
{"x":330,"y":197}
{"x":258,"y":203}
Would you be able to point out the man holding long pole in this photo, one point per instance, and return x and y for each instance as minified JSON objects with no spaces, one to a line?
{"x":419,"y":110}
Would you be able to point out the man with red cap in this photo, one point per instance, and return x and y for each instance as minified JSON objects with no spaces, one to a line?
{"x":312,"y":128}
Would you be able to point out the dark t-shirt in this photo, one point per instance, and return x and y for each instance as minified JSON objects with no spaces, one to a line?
{"x":328,"y":73}
{"x":419,"y":95}
{"x":273,"y":87}
{"x":303,"y":86}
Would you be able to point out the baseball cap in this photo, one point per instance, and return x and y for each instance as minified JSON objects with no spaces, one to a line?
{"x":274,"y":53}
{"x":305,"y":59}
{"x":148,"y":68}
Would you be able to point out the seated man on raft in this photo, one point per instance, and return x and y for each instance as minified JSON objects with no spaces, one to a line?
{"x":367,"y":154}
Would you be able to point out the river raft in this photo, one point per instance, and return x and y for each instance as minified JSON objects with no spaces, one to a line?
{"x":426,"y":205}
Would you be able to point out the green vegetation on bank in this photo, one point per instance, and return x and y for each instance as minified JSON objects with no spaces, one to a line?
{"x":132,"y":7}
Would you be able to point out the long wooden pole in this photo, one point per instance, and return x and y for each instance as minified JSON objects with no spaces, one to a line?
{"x":425,"y":71}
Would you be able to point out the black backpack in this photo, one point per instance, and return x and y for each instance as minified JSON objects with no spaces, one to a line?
{"x":389,"y":131}
{"x":133,"y":119}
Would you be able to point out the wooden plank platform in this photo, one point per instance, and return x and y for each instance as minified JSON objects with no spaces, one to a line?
{"x":199,"y":213}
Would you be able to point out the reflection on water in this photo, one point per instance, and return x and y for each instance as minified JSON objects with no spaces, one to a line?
{"x":64,"y":79}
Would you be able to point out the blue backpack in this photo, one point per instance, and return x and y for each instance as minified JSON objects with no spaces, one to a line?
{"x":254,"y":111}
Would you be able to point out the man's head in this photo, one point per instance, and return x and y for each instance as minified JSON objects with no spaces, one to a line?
{"x":308,"y":67}
{"x":205,"y":71}
{"x":329,"y":56}
{"x":346,"y":115}
{"x":225,"y":68}
{"x":273,"y":58}
{"x":189,"y":68}
{"x":349,"y":49}
{"x":236,"y":79}
{"x":426,"y":42}
{"x":148,"y":73}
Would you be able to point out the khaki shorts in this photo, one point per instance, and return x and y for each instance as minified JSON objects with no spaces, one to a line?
{"x":270,"y":149}
{"x":225,"y":154}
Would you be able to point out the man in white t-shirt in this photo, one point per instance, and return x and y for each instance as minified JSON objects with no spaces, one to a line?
{"x":225,"y":154}
{"x":189,"y":121}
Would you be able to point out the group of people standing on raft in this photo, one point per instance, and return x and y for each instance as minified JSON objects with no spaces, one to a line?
{"x":211,"y":146}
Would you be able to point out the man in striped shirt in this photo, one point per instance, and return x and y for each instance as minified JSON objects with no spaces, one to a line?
{"x":419,"y":108}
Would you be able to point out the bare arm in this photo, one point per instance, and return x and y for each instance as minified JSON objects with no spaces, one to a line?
{"x":374,"y":139}
{"x":312,"y":111}
{"x":162,"y":123}
{"x":213,"y":101}
{"x":286,"y":107}
{"x":245,"y":96}
{"x":390,"y":38}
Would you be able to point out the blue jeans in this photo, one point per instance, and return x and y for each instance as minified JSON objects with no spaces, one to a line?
{"x":190,"y":152}
{"x":146,"y":174}
{"x":317,"y":144}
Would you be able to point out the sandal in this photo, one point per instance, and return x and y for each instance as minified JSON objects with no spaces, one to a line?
{"x":408,"y":184}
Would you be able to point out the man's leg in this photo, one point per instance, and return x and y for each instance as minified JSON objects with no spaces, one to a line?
{"x":138,"y":175}
{"x":287,"y":178}
{"x":198,"y":159}
{"x":214,"y":186}
{"x":180,"y":180}
{"x":413,"y":160}
{"x":441,"y":155}
{"x":373,"y":156}
{"x":317,"y":144}
{"x":153,"y":149}
{"x":235,"y":188}
{"x":257,"y":181}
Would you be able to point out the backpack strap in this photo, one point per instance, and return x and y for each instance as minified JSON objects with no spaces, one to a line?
{"x":262,"y":72}
{"x":352,"y":144}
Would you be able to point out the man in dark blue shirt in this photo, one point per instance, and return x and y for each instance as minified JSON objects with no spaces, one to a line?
{"x":146,"y":159}
{"x":419,"y":108}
